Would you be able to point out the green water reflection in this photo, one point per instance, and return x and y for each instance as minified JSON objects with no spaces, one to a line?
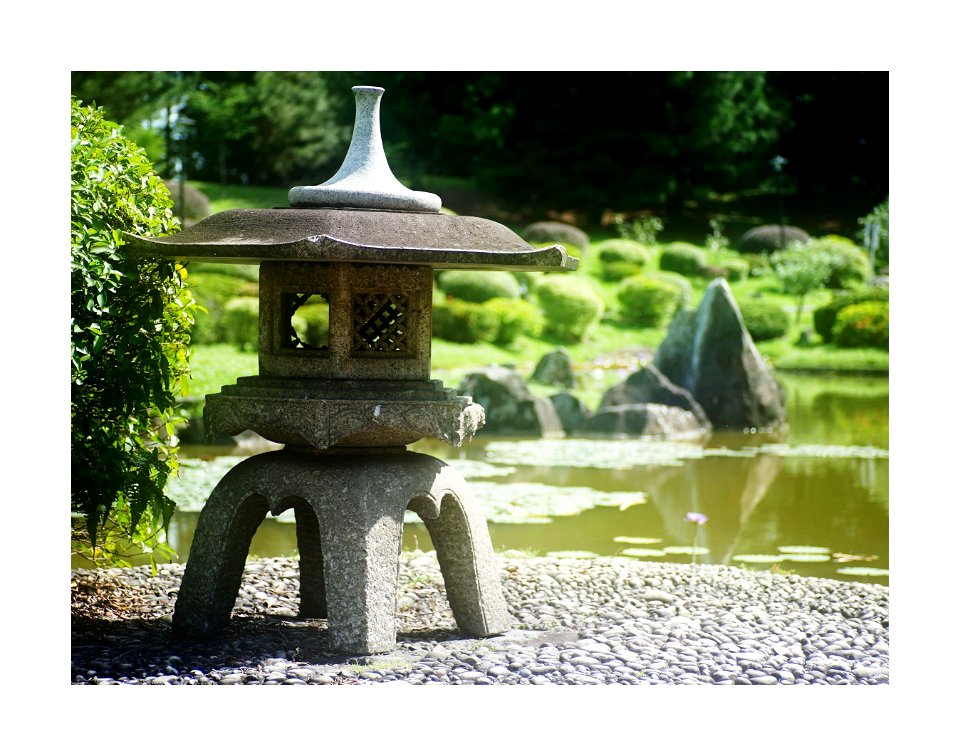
{"x":825,"y":486}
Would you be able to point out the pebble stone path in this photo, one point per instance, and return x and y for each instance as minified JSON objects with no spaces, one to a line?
{"x":607,"y":620}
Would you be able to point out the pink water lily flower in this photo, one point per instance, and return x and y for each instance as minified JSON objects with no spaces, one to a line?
{"x":697,"y":518}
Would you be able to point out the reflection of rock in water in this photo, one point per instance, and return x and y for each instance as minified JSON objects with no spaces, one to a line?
{"x":726,"y":489}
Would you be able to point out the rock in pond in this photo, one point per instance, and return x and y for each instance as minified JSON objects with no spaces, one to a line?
{"x":509,"y":407}
{"x":645,"y":420}
{"x":555,"y":369}
{"x":710,"y":354}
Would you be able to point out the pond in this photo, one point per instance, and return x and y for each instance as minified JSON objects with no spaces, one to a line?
{"x":815,"y":503}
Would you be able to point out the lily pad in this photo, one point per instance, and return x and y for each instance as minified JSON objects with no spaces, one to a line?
{"x":803,"y":550}
{"x":636,"y":539}
{"x":863,"y":571}
{"x":643,"y":552}
{"x":690,"y":550}
{"x":806,"y":557}
{"x":758,"y":558}
{"x":597,"y":453}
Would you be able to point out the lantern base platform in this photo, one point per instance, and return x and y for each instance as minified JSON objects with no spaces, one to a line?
{"x":349,"y":510}
{"x":321,"y":413}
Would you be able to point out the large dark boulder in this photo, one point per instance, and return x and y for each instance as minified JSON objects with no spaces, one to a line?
{"x":645,"y":420}
{"x":650,"y":386}
{"x":710,"y":354}
{"x":555,"y":369}
{"x":509,"y":407}
{"x":571,"y":411}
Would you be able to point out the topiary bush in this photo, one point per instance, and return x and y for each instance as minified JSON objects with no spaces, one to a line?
{"x":514,"y":317}
{"x":764,"y":320}
{"x":569,"y":305}
{"x":734,"y":269}
{"x":464,"y":322}
{"x":825,"y":317}
{"x":648,"y":302}
{"x":849,"y":264}
{"x":241,"y":321}
{"x":621,"y":258}
{"x":866,"y":324}
{"x":479,"y":285}
{"x":212,"y":291}
{"x":682,"y":284}
{"x":312,"y":321}
{"x":130,"y":327}
{"x":683,"y":258}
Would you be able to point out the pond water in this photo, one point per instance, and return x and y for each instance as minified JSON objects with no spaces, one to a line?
{"x":814,"y":503}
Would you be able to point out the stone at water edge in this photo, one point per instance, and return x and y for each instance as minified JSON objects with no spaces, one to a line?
{"x":645,"y":420}
{"x":650,"y":386}
{"x":571,"y":411}
{"x":711,"y":354}
{"x":508,"y":405}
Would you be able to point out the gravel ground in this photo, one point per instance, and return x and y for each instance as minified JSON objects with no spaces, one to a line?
{"x":606,"y":620}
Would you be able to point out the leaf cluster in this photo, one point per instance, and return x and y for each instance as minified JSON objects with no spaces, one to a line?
{"x":130,"y":326}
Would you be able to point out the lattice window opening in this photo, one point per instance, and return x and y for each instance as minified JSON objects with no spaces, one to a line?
{"x":305,"y":320}
{"x":380,"y":323}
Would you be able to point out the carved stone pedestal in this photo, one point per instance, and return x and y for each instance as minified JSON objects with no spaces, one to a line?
{"x":349,"y":507}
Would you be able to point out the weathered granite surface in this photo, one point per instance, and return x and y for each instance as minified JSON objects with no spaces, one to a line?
{"x":349,"y":510}
{"x":509,"y":407}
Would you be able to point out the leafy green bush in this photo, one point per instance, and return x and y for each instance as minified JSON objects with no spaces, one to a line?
{"x":313,"y":322}
{"x":758,"y":265}
{"x":570,"y":306}
{"x":682,"y":284}
{"x":620,"y":258}
{"x":880,"y":215}
{"x":130,"y":326}
{"x":514,"y":316}
{"x":212,"y":291}
{"x":825,"y":317}
{"x":683,"y":258}
{"x":849,"y":265}
{"x":734,"y":269}
{"x":479,"y":285}
{"x":241,"y":320}
{"x":863,"y":325}
{"x":648,"y":302}
{"x":764,"y":320}
{"x":464,"y":322}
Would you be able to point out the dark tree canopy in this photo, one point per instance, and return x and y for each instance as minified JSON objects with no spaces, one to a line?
{"x":537,"y":140}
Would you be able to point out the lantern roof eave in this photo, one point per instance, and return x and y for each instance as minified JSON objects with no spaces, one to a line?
{"x":353,"y":235}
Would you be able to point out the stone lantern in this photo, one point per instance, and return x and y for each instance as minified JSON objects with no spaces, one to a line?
{"x":345,"y":406}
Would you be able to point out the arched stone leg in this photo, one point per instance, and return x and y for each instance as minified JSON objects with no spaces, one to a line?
{"x":211,"y":579}
{"x":313,"y":593}
{"x":465,"y":554}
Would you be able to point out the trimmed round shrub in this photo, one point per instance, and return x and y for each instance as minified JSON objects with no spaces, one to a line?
{"x":863,"y":325}
{"x":849,"y":264}
{"x":825,"y":317}
{"x":479,"y":285}
{"x":569,"y":305}
{"x":130,"y":327}
{"x":674,"y":279}
{"x":648,"y":302}
{"x":764,"y":320}
{"x":212,"y":291}
{"x":735,"y":269}
{"x":315,"y":327}
{"x":621,"y":258}
{"x":464,"y":322}
{"x":514,"y":316}
{"x":241,"y":322}
{"x":758,"y":265}
{"x":683,"y":258}
{"x":761,"y":239}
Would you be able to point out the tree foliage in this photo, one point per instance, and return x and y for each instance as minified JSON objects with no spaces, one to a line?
{"x":584,"y":140}
{"x":130,"y":326}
